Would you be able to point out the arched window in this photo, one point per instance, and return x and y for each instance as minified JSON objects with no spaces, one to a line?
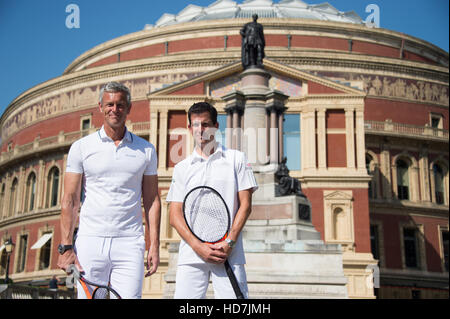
{"x":402,"y":179}
{"x":30,"y":193}
{"x":338,"y":220}
{"x":52,"y":187}
{"x":438,"y":173}
{"x":13,"y":197}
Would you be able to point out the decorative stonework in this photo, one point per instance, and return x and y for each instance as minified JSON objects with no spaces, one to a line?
{"x":295,"y":26}
{"x":289,"y":86}
{"x":338,"y":218}
{"x":80,"y":98}
{"x":386,"y":86}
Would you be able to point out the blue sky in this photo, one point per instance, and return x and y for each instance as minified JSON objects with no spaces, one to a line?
{"x":36,"y":45}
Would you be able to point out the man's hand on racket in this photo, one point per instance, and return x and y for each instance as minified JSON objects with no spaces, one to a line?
{"x":223,"y":246}
{"x":67,"y":259}
{"x":212,"y":253}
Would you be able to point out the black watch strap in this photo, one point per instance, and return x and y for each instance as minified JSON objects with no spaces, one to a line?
{"x":63,"y":248}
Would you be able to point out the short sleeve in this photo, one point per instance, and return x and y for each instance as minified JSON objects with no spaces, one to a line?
{"x":244,"y":172}
{"x":74,"y":159}
{"x":177,"y":186}
{"x":152,"y":164}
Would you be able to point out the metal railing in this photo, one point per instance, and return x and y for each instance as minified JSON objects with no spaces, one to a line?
{"x":393,"y":128}
{"x":13,"y":291}
{"x":60,"y":140}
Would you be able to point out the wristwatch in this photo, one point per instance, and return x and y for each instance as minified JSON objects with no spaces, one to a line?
{"x":230,"y":242}
{"x":63,"y":248}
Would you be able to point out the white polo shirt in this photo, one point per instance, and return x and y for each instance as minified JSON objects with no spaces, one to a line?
{"x":228,"y":172}
{"x":112,"y":182}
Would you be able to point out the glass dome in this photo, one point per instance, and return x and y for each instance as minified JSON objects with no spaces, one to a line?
{"x":228,"y":9}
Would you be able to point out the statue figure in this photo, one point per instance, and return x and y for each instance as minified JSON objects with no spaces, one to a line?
{"x":253,"y":44}
{"x":287,"y":185}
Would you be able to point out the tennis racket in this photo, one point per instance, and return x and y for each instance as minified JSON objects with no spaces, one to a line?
{"x":208,"y":218}
{"x":93,"y":290}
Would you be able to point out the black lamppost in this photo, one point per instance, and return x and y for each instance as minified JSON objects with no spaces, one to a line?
{"x":9,"y":246}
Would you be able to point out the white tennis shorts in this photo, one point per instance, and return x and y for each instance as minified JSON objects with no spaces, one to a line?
{"x":192,"y":281}
{"x":118,"y":261}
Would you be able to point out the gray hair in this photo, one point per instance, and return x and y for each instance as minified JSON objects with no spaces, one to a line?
{"x":115,"y":87}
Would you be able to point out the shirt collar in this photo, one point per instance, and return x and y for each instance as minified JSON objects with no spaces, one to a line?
{"x":220,"y":150}
{"x":127,"y":137}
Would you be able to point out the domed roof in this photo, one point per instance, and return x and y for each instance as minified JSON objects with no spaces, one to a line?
{"x":227,"y":9}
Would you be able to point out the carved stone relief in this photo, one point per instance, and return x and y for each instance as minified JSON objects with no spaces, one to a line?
{"x":286,"y":85}
{"x":395,"y":87}
{"x":84,"y":97}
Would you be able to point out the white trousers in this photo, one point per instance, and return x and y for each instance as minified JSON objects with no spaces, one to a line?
{"x":118,"y":261}
{"x":192,"y":281}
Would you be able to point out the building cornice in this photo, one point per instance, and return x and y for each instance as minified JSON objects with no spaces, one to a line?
{"x":215,"y":59}
{"x":288,"y":26}
{"x":357,"y":63}
{"x":408,"y":208}
{"x":301,"y":58}
{"x":41,"y":214}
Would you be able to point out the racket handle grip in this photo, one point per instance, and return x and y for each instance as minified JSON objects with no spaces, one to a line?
{"x":233,"y":281}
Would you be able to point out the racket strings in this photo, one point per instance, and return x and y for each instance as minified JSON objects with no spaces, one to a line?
{"x":206,"y":215}
{"x":100,"y":293}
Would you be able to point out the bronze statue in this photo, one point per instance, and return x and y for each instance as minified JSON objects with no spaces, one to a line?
{"x":253,"y":44}
{"x":287,"y":185}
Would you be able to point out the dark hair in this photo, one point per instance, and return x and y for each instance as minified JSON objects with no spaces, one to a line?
{"x":202,"y":107}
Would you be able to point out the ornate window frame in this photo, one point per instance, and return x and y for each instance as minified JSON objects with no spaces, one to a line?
{"x":420,"y":241}
{"x":338,"y":218}
{"x":413,"y":174}
{"x":443,"y":164}
{"x":48,"y":188}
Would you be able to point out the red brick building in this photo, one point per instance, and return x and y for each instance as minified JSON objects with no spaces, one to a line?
{"x":365,"y":131}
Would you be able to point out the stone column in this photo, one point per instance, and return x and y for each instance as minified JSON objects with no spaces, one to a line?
{"x":308,"y":140}
{"x":228,"y":130}
{"x":255,"y":87}
{"x":280,"y":136}
{"x":414,"y":183}
{"x":235,"y":108}
{"x":433,"y":184}
{"x":236,"y":143}
{"x":275,"y":109}
{"x":7,"y":195}
{"x":424,"y":175}
{"x":40,"y":185}
{"x":20,"y":207}
{"x":321,"y":139}
{"x":350,"y":137}
{"x":162,"y":154}
{"x":153,"y":138}
{"x":273,"y":136}
{"x":385,"y":170}
{"x":360,"y":141}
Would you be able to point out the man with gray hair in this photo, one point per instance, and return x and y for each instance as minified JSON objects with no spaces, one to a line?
{"x":115,"y":169}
